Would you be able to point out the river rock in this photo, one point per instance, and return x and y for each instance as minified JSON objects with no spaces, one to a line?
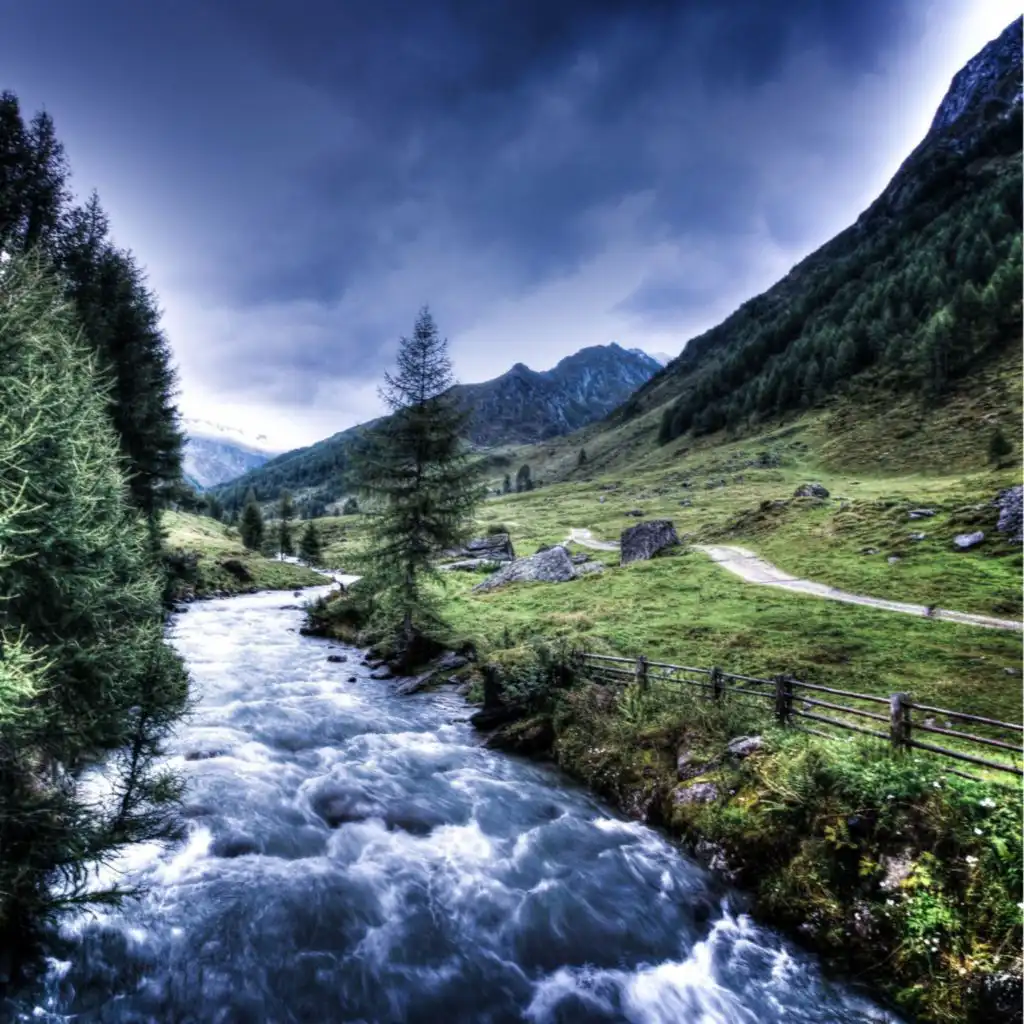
{"x":689,"y":766}
{"x":491,"y":718}
{"x":233,"y":844}
{"x":451,"y":662}
{"x":337,"y":659}
{"x":497,"y":547}
{"x":237,"y":569}
{"x":643,"y":541}
{"x":921,"y":513}
{"x":414,"y":684}
{"x":551,"y":566}
{"x":531,"y":737}
{"x":698,"y":793}
{"x":1011,"y":513}
{"x":811,"y":490}
{"x":382,"y":673}
{"x":966,"y":541}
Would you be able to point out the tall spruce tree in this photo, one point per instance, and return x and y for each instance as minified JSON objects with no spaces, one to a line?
{"x":85,"y":671}
{"x":117,"y":311}
{"x":310,"y":550}
{"x":251,"y":525}
{"x":416,"y":471}
{"x":285,"y":515}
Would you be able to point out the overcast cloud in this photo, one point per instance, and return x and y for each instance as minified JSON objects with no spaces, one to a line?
{"x":299,"y":177}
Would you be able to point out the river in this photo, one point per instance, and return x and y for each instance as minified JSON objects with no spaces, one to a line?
{"x":355,"y":856}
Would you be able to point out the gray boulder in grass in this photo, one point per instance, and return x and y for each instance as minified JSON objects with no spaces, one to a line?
{"x":551,"y":566}
{"x":813,"y":490}
{"x":495,"y":547}
{"x":643,"y":541}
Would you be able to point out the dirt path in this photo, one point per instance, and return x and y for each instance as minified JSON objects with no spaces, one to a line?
{"x":586,"y":539}
{"x":748,"y":566}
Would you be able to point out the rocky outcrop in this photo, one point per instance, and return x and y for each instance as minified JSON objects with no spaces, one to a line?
{"x":641,"y":542}
{"x":496,"y":547}
{"x":551,"y":566}
{"x":811,"y":490}
{"x":1011,"y":513}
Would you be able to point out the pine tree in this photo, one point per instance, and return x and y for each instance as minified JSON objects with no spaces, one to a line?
{"x":251,"y":524}
{"x":85,"y":669}
{"x":506,"y":485}
{"x":523,"y":480}
{"x":285,"y":514}
{"x":999,"y":447}
{"x":351,"y":507}
{"x":310,"y":550}
{"x":416,"y":468}
{"x":581,"y":459}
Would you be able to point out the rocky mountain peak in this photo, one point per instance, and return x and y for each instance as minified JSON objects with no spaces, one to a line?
{"x":992,"y":76}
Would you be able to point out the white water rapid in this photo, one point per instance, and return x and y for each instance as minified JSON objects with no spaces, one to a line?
{"x":358,"y":857}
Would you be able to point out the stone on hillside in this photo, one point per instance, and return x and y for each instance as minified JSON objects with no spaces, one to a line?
{"x":589,"y":567}
{"x":473,"y":565}
{"x":637,"y":512}
{"x":966,"y":541}
{"x":918,"y":536}
{"x":698,"y":793}
{"x":811,"y":490}
{"x":551,"y":566}
{"x":869,"y":551}
{"x":744,"y":746}
{"x":580,"y":559}
{"x":643,"y":541}
{"x":495,"y":546}
{"x":1011,"y":512}
{"x":893,"y":559}
{"x":921,"y":513}
{"x":602,"y":499}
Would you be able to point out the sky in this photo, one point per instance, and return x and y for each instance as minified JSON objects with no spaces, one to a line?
{"x":299,"y":177}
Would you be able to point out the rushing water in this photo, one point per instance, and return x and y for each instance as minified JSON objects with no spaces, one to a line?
{"x":356,"y":856}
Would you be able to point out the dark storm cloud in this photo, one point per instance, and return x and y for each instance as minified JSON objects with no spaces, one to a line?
{"x":320,"y":169}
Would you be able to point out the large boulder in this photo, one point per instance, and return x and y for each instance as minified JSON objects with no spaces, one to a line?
{"x":551,"y":566}
{"x":644,"y":540}
{"x":495,"y":547}
{"x":812,"y":490}
{"x":1011,"y":513}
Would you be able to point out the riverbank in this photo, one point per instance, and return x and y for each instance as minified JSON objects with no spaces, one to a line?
{"x":896,"y":871}
{"x":207,"y":559}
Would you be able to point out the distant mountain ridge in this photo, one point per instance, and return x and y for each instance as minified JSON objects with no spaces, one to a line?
{"x":215,"y":453}
{"x":524,"y":406}
{"x":521,"y":406}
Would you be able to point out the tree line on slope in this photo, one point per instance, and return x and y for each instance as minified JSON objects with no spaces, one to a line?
{"x":919,"y":300}
{"x":89,"y":452}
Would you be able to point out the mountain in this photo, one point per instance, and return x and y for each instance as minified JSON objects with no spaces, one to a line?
{"x":215,"y":453}
{"x":524,"y":406}
{"x":922,"y":290}
{"x":519,"y":407}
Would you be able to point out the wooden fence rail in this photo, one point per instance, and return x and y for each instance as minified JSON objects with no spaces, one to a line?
{"x":791,"y":698}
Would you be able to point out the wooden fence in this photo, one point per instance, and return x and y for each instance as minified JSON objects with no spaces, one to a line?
{"x":896,"y":719}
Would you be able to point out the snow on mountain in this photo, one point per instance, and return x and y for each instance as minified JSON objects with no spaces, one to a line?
{"x":215,"y":453}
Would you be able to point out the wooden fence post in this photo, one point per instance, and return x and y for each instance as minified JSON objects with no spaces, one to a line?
{"x":640,"y":672}
{"x":783,"y":699}
{"x":899,"y":721}
{"x":717,"y":683}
